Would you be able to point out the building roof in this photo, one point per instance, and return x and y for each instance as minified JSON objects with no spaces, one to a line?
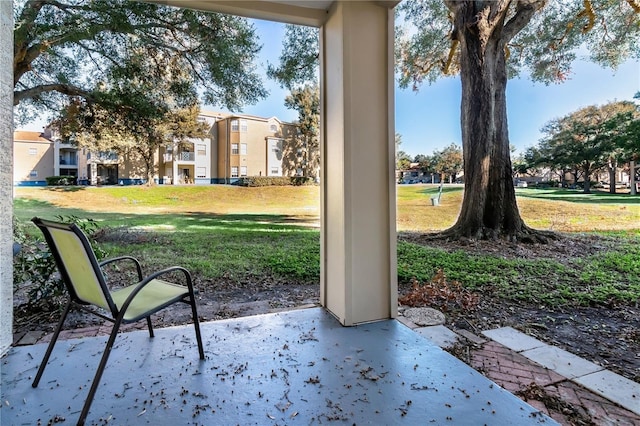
{"x":30,"y":136}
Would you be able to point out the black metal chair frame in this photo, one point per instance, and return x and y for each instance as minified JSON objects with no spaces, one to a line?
{"x":118,"y":315}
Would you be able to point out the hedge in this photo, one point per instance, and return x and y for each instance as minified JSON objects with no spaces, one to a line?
{"x":61,"y":180}
{"x":255,"y":181}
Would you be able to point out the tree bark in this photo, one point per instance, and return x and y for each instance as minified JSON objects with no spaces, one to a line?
{"x":489,"y":209}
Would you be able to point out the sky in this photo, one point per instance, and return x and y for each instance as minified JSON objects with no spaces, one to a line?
{"x":429,"y":120}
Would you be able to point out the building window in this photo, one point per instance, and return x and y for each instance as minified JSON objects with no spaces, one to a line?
{"x":234,"y":171}
{"x":33,"y":151}
{"x":273,"y":128}
{"x":243,"y":125}
{"x":235,"y":125}
{"x":201,"y":172}
{"x":202,"y":149}
{"x":274,"y":171}
{"x":33,"y":173}
{"x":234,"y":149}
{"x":243,"y":170}
{"x":243,"y":148}
{"x":299,"y":172}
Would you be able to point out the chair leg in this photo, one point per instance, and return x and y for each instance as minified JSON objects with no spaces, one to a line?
{"x":101,"y":366}
{"x":196,"y":324}
{"x":52,"y":343}
{"x":150,"y":326}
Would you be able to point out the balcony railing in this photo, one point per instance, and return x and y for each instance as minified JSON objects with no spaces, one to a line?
{"x":186,"y":156}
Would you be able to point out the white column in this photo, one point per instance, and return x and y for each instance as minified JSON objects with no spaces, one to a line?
{"x":6,"y":176}
{"x":56,"y":158}
{"x":358,"y":233}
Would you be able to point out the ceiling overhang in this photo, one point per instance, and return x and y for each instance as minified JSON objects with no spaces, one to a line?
{"x":312,"y":13}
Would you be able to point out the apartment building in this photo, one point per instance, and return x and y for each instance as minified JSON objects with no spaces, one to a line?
{"x":246,"y":145}
{"x":38,"y":155}
{"x":236,"y":146}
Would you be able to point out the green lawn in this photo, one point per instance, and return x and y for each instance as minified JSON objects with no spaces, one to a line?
{"x":273,"y":232}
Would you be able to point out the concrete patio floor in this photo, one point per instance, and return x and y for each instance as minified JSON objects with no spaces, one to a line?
{"x":297,"y":367}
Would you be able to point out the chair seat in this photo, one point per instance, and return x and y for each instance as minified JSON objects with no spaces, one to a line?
{"x":153,"y":297}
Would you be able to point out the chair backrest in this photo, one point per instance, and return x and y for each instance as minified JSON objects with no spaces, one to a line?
{"x":77,"y":263}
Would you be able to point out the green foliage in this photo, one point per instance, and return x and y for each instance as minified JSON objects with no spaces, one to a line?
{"x":544,"y":46}
{"x":34,"y":267}
{"x":299,"y":59}
{"x":61,"y":180}
{"x":606,"y":278}
{"x":66,"y":48}
{"x":306,"y":101}
{"x":257,"y":181}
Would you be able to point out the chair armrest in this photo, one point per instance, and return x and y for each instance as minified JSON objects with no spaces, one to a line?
{"x":152,"y":277}
{"x":125,"y":258}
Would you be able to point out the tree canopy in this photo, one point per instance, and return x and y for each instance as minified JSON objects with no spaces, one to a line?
{"x":587,"y":140}
{"x":134,"y":115}
{"x":68,"y":48}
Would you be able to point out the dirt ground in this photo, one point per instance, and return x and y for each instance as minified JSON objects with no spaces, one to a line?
{"x":607,"y":335}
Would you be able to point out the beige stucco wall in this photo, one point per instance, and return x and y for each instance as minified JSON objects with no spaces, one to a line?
{"x":42,"y":162}
{"x":6,"y":176}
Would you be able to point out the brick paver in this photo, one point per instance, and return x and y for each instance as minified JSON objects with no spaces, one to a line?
{"x":563,"y":400}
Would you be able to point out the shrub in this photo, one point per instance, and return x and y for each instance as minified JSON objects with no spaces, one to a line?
{"x":34,"y":267}
{"x":61,"y":180}
{"x":256,"y":181}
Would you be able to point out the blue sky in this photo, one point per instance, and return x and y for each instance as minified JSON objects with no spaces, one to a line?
{"x":429,"y":119}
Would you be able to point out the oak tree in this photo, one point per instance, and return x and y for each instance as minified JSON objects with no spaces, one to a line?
{"x":486,"y":42}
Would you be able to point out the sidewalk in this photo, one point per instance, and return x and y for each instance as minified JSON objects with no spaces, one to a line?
{"x":567,"y":388}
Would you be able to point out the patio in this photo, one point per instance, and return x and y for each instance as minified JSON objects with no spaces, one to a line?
{"x":297,"y":367}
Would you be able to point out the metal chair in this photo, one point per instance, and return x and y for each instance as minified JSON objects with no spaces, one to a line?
{"x":86,"y":286}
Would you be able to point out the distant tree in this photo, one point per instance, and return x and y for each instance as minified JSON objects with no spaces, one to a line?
{"x":298,"y":62}
{"x":306,"y":101}
{"x":301,"y":79}
{"x":66,"y":48}
{"x":486,"y":42}
{"x":588,"y":139}
{"x":448,"y":162}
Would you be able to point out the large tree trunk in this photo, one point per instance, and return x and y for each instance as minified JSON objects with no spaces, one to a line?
{"x":489,"y":208}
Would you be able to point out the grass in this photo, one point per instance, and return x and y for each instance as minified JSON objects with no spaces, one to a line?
{"x":273,"y":232}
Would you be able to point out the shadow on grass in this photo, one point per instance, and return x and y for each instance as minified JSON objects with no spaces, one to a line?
{"x":65,"y":188}
{"x":577,"y":196}
{"x":25,"y":209}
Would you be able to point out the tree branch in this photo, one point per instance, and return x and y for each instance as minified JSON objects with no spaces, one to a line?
{"x":66,"y":89}
{"x":525,"y":10}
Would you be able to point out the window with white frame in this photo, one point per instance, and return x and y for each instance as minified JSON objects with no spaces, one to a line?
{"x":201,"y":172}
{"x":243,"y":149}
{"x":202,"y":149}
{"x":243,"y":125}
{"x":273,"y":128}
{"x":33,"y":151}
{"x":234,"y":171}
{"x":235,"y":125}
{"x":274,"y":171}
{"x":243,"y":170}
{"x":234,"y":148}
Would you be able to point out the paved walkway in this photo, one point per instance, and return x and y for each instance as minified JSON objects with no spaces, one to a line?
{"x":567,"y":388}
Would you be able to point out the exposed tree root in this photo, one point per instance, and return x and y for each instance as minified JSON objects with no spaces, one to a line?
{"x":524,"y":235}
